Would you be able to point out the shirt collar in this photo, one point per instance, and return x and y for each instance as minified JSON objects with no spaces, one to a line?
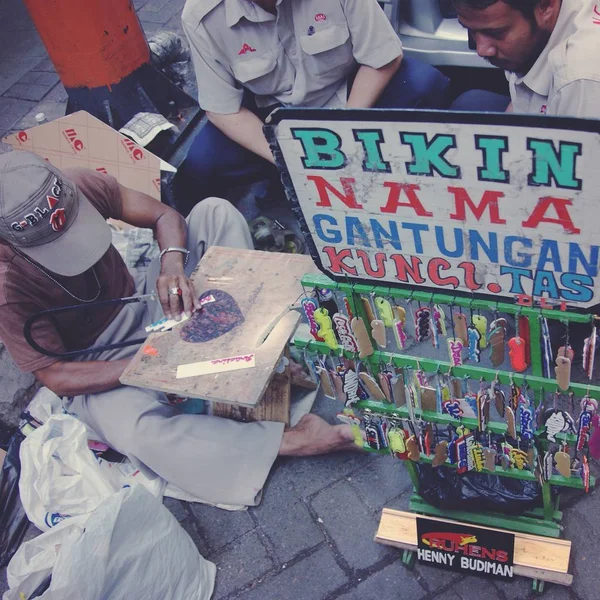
{"x":539,"y":77}
{"x":236,"y":9}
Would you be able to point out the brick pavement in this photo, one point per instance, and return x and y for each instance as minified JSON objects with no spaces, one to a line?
{"x":312,"y":535}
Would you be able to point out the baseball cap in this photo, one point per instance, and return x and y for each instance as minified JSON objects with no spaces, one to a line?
{"x":45,"y":216}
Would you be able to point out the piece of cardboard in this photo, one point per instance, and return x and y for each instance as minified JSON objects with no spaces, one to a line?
{"x":81,"y":140}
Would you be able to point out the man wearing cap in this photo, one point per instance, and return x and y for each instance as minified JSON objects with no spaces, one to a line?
{"x":252,"y":56}
{"x":548,"y":49}
{"x":55,"y":251}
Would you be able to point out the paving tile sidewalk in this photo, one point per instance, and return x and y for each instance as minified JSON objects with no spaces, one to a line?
{"x":312,"y":536}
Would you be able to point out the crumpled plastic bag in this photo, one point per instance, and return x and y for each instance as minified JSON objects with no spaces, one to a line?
{"x":130,"y":548}
{"x":443,"y":487}
{"x":61,"y":477}
{"x":13,"y":520}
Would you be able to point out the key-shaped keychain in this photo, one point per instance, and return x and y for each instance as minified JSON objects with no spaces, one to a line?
{"x":344,"y":331}
{"x":511,"y":427}
{"x":325,"y":330}
{"x":385,"y":383}
{"x":309,"y":306}
{"x":422,"y":323}
{"x":563,"y":373}
{"x":359,"y":329}
{"x":375,"y":392}
{"x":338,"y":385}
{"x":461,"y":328}
{"x":517,"y":351}
{"x":326,"y":382}
{"x":496,"y":341}
{"x":377,"y":325}
{"x":440,"y":455}
{"x":489,"y":458}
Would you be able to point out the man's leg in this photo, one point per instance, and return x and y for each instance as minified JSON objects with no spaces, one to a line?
{"x":481,"y":101}
{"x":416,"y":85}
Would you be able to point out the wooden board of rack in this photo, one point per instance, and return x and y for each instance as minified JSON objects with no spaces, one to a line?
{"x":536,"y":557}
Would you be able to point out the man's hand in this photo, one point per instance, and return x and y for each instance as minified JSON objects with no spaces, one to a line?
{"x":173,"y":276}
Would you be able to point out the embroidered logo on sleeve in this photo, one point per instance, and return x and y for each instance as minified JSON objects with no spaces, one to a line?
{"x":245,"y":49}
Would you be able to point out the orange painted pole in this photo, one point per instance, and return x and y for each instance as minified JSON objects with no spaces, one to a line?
{"x":92,"y":43}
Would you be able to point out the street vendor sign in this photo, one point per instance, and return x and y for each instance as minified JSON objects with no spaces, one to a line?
{"x":465,"y":548}
{"x":477,"y":204}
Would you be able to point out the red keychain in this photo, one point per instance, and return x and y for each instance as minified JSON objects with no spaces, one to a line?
{"x":517,"y":351}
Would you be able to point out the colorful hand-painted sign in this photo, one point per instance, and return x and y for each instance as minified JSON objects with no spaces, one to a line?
{"x":463,"y":203}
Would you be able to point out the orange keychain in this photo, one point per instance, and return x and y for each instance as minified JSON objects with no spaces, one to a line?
{"x":517,"y":350}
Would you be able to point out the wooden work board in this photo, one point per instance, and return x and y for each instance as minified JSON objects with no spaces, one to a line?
{"x":536,"y":557}
{"x":264,"y":285}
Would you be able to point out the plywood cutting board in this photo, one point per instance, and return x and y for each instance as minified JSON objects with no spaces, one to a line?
{"x":264,"y":285}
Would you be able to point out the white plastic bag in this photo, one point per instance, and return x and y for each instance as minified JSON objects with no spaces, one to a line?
{"x":61,"y":478}
{"x":132,"y":548}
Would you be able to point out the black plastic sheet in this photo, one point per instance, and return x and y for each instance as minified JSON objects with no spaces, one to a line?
{"x":443,"y":487}
{"x":13,"y":520}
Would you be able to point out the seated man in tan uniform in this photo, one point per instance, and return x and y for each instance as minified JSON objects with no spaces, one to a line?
{"x":548,"y":49}
{"x":252,"y":56}
{"x":55,"y":250}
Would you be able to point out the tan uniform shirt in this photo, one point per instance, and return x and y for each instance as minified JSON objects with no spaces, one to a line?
{"x":565,"y":80}
{"x":300,"y":57}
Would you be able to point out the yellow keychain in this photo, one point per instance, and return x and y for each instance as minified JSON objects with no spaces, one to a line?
{"x":384,"y":308}
{"x":481,"y":324}
{"x":326,"y":332}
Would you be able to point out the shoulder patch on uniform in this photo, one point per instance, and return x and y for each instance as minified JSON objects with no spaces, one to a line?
{"x":195,"y":10}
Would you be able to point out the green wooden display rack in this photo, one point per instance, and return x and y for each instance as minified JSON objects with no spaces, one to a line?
{"x":545,"y":521}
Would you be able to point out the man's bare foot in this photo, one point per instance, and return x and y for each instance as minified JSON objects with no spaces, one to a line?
{"x":312,"y":435}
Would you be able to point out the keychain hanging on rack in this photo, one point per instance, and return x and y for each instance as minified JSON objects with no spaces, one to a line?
{"x":422,"y":323}
{"x":589,"y":352}
{"x":460,"y":329}
{"x":557,"y":421}
{"x":325,"y":331}
{"x":563,"y":364}
{"x":589,"y":407}
{"x":310,"y":306}
{"x":456,"y":343}
{"x":481,"y":323}
{"x":496,"y":340}
{"x":546,"y":348}
{"x":399,"y":326}
{"x":377,"y":325}
{"x":343,"y":327}
{"x":474,"y":337}
{"x":359,"y":329}
{"x":526,"y":415}
{"x":435,"y":334}
{"x":517,"y":350}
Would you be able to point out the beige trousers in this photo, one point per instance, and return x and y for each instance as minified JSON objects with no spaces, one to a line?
{"x":216,"y":460}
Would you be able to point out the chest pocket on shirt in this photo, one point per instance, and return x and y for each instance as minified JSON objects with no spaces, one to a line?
{"x":327,"y":49}
{"x":256,"y":73}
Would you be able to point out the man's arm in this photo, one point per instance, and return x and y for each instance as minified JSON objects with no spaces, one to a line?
{"x":370,"y":83}
{"x":74,"y":378}
{"x":244,"y":128}
{"x":169,"y":229}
